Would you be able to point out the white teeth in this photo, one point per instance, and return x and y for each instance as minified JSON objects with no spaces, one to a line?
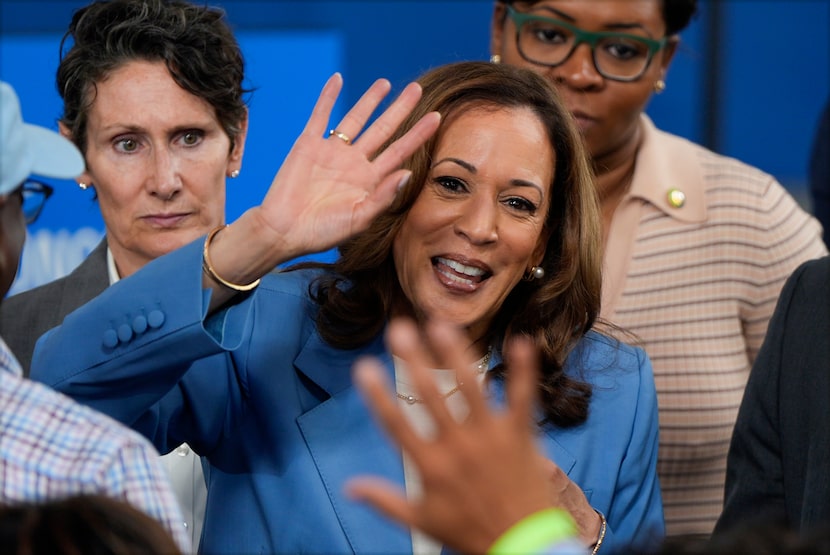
{"x":455,"y":278}
{"x":471,"y":271}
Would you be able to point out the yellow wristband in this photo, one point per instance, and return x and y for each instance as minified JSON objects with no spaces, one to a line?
{"x":535,"y":532}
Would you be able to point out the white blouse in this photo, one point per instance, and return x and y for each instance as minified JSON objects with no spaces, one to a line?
{"x":420,"y":420}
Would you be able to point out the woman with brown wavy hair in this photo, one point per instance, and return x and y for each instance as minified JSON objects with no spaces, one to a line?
{"x":556,"y":310}
{"x":489,"y":224}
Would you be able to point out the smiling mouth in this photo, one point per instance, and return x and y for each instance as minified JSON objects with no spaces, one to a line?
{"x":456,"y":273}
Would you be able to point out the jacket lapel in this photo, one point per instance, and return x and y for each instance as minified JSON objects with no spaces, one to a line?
{"x":87,"y":281}
{"x":548,"y":443}
{"x":344,"y":442}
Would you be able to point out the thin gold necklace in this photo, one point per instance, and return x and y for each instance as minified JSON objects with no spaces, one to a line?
{"x":481,"y":367}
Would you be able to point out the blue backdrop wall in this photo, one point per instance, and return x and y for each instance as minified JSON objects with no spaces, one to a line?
{"x":749,"y":81}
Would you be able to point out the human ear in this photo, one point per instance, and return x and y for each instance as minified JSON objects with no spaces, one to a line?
{"x":85,"y":177}
{"x":238,"y":150}
{"x":667,"y":53}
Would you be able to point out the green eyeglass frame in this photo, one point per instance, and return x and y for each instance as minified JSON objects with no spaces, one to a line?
{"x":588,"y":37}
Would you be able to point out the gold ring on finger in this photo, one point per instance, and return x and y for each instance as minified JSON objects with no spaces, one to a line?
{"x":340,"y":135}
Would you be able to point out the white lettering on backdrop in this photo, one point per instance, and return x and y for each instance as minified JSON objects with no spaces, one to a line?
{"x":53,"y":253}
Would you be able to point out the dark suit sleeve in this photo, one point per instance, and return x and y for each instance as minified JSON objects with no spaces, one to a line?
{"x":820,"y":173}
{"x":773,"y":464}
{"x":28,"y":315}
{"x":754,"y":476}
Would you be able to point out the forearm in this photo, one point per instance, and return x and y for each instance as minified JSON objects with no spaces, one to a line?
{"x":236,"y":256}
{"x":136,"y":339}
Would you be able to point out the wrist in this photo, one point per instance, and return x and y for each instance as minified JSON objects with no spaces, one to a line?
{"x":601,"y":535}
{"x":274,"y":245}
{"x":536,"y":532}
{"x":208,"y":268}
{"x":242,"y":252}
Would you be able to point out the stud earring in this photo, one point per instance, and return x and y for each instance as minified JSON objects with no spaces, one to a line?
{"x":659,"y":86}
{"x":234,"y":174}
{"x":536,"y":272}
{"x":495,"y":59}
{"x":83,"y":186}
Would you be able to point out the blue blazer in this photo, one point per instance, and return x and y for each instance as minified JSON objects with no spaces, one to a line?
{"x":282,"y":426}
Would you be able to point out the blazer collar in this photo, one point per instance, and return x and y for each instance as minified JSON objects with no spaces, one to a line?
{"x":664,"y":165}
{"x":366,"y":452}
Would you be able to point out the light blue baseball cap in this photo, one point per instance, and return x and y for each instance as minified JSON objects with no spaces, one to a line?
{"x":27,"y":149}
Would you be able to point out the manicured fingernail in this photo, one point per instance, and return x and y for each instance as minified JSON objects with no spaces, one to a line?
{"x":404,"y":180}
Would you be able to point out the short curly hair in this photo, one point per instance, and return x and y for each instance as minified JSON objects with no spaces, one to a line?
{"x":676,"y":13}
{"x":194,"y":42}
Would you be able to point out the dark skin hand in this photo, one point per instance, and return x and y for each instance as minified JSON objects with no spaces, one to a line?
{"x":480,"y":475}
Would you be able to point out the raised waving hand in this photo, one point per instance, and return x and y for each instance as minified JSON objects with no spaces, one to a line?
{"x":328,"y":188}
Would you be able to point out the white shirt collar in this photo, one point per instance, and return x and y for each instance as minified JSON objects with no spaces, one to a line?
{"x":111,"y":268}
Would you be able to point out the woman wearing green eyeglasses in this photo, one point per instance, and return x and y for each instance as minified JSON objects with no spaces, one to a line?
{"x":697,"y":246}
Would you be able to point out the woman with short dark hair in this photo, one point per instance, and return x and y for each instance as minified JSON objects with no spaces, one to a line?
{"x":153,"y":98}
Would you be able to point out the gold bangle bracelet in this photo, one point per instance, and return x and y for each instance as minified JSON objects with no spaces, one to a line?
{"x":207,"y":267}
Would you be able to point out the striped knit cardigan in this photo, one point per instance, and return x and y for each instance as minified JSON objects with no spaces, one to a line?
{"x":696,"y":256}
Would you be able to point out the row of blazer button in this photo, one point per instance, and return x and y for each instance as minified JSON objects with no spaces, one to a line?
{"x":125,"y":332}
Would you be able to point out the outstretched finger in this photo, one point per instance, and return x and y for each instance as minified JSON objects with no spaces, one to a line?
{"x":395,"y":154}
{"x":370,"y":380}
{"x":380,"y":199}
{"x":388,"y":122}
{"x":406,"y":342}
{"x":522,"y":377}
{"x":384,"y":496}
{"x":353,"y":122}
{"x":445,"y":339}
{"x":321,"y":113}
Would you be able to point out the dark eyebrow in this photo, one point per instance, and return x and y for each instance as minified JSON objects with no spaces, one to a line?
{"x":560,"y":15}
{"x":610,"y":26}
{"x":177,"y":130}
{"x":466,"y":165}
{"x":473,"y":170}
